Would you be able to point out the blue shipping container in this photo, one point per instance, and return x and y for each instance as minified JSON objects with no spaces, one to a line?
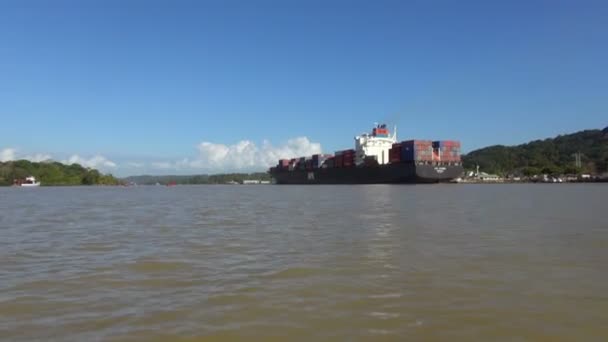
{"x":410,"y":153}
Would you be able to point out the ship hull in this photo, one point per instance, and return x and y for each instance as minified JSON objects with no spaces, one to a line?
{"x":384,"y":174}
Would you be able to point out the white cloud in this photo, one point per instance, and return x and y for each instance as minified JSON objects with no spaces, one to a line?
{"x":7,"y":154}
{"x":244,"y":155}
{"x":95,"y":162}
{"x":135,"y":165}
{"x":38,"y":157}
{"x":247,"y":155}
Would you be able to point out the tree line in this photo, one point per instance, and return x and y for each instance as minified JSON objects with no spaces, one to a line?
{"x":580,"y":152}
{"x":53,"y":173}
{"x":222,"y":178}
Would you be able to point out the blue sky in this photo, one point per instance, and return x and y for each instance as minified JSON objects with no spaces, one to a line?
{"x":142,"y":84}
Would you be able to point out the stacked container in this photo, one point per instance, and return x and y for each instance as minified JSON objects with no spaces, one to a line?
{"x":339,"y":161}
{"x":292,"y":164}
{"x":417,"y":150}
{"x":319,"y":159}
{"x":349,"y":158}
{"x":394,"y":154}
{"x":345,"y":158}
{"x":447,"y":150}
{"x":316,"y":161}
{"x":301,"y":165}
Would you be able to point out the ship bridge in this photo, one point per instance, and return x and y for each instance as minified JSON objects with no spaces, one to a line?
{"x":377,"y":144}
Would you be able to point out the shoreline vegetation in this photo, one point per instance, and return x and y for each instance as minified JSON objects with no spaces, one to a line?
{"x":224,"y":178}
{"x":52,"y":173}
{"x":572,"y":155}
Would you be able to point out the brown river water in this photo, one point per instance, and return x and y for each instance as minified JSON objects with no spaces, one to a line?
{"x":327,"y":263}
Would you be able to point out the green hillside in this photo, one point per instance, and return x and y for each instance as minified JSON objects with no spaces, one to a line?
{"x":553,"y":156}
{"x":53,"y":173}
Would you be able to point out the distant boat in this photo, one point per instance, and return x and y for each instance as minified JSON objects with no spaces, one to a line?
{"x":27,"y":182}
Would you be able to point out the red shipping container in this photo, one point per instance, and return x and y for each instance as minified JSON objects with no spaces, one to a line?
{"x":395,"y":153}
{"x":339,"y":161}
{"x":451,"y":143}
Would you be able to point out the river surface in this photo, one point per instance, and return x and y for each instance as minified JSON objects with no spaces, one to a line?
{"x":327,"y":263}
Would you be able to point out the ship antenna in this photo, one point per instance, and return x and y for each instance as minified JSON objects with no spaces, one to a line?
{"x":395,"y":133}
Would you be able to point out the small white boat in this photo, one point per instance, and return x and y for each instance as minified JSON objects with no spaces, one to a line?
{"x":28,"y":181}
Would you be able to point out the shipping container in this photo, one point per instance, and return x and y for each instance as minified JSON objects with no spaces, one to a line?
{"x":308,"y":164}
{"x":417,"y":142}
{"x":395,"y":153}
{"x":446,"y":143}
{"x":329,"y":162}
{"x":417,"y":150}
{"x":450,"y":158}
{"x":436,"y":154}
{"x":339,"y":161}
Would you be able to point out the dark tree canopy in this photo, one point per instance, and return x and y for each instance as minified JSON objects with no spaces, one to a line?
{"x":553,"y":156}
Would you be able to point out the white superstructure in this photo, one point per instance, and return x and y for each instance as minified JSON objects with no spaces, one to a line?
{"x":376,"y":144}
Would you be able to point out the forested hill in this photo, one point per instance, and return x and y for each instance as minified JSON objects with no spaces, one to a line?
{"x":53,"y":173}
{"x":553,"y":156}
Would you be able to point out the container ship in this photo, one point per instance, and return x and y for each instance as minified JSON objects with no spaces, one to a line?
{"x":377,"y":158}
